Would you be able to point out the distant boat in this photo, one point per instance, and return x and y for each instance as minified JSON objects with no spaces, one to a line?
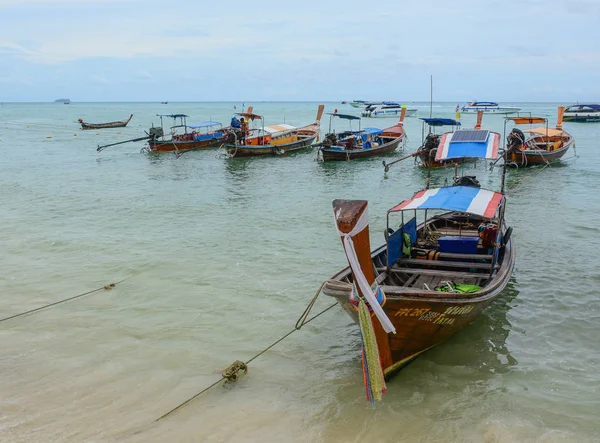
{"x":489,"y":108}
{"x":359,"y":103}
{"x":119,"y":124}
{"x":164,"y":103}
{"x":582,"y":113}
{"x":387,"y":109}
{"x":65,"y":101}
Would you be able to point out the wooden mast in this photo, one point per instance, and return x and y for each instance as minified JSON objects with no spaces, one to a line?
{"x":347,"y":213}
{"x":320,"y":113}
{"x":479,"y":118}
{"x":561,"y":113}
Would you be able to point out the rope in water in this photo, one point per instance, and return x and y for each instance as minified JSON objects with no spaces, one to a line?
{"x":38,"y":125}
{"x":105,"y":287}
{"x":230,"y":374}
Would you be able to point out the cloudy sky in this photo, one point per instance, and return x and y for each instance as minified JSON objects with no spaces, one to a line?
{"x":146,"y":50}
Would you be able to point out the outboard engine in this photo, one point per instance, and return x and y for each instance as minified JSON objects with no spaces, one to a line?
{"x":515,"y":139}
{"x":330,"y":140}
{"x":431,"y":141}
{"x":467,"y":180}
{"x":155,"y":132}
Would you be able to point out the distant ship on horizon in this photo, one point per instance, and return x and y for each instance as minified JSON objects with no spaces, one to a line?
{"x":65,"y":101}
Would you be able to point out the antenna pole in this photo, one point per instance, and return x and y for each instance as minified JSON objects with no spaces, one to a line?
{"x":430,"y":95}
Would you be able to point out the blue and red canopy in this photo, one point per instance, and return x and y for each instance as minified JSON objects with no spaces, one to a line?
{"x":468,"y":143}
{"x":455,"y":198}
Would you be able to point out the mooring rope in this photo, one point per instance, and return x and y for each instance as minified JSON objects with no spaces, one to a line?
{"x":230,"y":373}
{"x":105,"y":287}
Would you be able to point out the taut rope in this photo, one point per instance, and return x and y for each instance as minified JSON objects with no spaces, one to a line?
{"x":231,"y":374}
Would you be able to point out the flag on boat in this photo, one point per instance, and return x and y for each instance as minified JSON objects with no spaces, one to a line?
{"x":455,"y":198}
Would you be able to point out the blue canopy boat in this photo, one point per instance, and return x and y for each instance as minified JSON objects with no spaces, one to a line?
{"x":457,"y":145}
{"x":448,"y":258}
{"x":489,"y":108}
{"x":363,"y":143}
{"x":582,"y":113}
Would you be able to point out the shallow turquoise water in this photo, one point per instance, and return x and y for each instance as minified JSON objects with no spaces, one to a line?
{"x":223,"y":255}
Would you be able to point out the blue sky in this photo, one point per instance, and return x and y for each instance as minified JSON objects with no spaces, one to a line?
{"x":134,"y":50}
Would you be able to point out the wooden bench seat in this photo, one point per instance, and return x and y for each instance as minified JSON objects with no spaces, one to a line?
{"x":443,"y":263}
{"x":449,"y":274}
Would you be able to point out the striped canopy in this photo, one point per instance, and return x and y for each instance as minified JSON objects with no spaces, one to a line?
{"x":473,"y":143}
{"x":278,"y":128}
{"x":455,"y":198}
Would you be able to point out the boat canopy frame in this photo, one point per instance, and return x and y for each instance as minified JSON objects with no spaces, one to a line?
{"x":433,"y":122}
{"x":526,"y":120}
{"x":455,"y":201}
{"x":348,"y":117}
{"x":182,"y":121}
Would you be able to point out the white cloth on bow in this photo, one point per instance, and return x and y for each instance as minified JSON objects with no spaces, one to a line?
{"x":359,"y":277}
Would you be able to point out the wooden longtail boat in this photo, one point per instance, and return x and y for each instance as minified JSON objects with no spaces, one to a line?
{"x":277,"y":139}
{"x":203,"y":135}
{"x":431,"y":153}
{"x":421,"y":315}
{"x":194,"y":136}
{"x":119,"y":124}
{"x":369,"y":142}
{"x":536,"y":146}
{"x":450,"y":257}
{"x":425,"y":154}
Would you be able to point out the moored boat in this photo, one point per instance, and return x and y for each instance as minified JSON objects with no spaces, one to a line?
{"x":359,"y":103}
{"x":451,"y":255}
{"x":117,"y":124}
{"x":276,"y":139}
{"x":364,"y":143}
{"x":203,"y":135}
{"x":387,"y":109}
{"x":540,"y":145}
{"x":489,"y":108}
{"x":183,"y":137}
{"x":582,"y":113}
{"x":456,"y":146}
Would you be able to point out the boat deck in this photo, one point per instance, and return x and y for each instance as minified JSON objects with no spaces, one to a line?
{"x":434,"y":268}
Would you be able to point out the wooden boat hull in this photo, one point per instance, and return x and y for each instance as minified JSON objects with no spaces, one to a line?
{"x":332,"y":154}
{"x":423,"y":319}
{"x":302,"y":142}
{"x":427,"y":160}
{"x":119,"y":124}
{"x":188,"y":145}
{"x":527,"y":157}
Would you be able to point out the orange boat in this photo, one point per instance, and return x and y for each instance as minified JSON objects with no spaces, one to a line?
{"x":277,"y":139}
{"x":536,"y":146}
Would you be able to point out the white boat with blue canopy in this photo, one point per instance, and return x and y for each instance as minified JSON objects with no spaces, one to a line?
{"x":587,"y":112}
{"x":387,"y":109}
{"x":489,"y":108}
{"x":448,"y":258}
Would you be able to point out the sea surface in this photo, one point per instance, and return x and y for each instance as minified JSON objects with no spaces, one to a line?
{"x":221,"y":256}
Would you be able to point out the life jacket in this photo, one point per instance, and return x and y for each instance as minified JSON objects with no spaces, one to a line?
{"x":427,"y":254}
